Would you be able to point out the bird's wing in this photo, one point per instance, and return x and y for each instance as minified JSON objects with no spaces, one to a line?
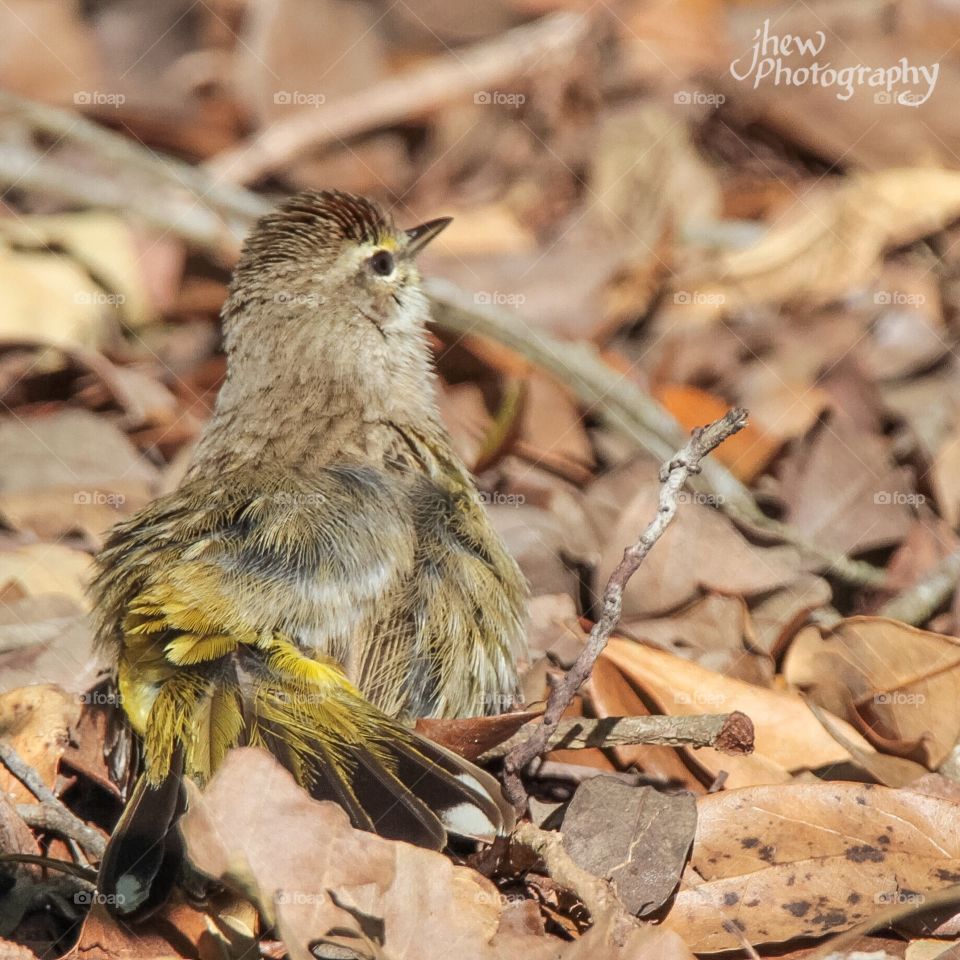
{"x":311,"y":560}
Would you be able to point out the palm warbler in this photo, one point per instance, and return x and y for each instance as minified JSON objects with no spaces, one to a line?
{"x":325,"y":573}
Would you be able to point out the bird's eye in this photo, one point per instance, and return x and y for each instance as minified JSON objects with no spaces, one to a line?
{"x":381,"y":263}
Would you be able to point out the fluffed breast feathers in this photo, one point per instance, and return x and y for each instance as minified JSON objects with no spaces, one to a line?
{"x":402,"y":583}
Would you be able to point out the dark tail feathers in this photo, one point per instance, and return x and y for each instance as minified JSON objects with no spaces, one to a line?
{"x":420,"y":792}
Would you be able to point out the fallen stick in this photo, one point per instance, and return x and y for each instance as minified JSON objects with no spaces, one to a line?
{"x":918,"y":603}
{"x":68,"y":823}
{"x":467,"y":72}
{"x":597,"y":894}
{"x":728,"y":732}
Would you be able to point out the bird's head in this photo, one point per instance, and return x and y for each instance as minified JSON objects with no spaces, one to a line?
{"x":332,"y":266}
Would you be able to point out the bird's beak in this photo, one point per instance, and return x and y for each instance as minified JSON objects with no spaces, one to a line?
{"x":419,"y":237}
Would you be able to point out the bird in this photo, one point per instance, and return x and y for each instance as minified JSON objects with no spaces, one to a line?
{"x":325,"y":573}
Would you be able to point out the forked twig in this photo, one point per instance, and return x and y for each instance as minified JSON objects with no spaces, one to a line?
{"x":673,"y":476}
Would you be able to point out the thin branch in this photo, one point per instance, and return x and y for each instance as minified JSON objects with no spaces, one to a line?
{"x":597,"y":895}
{"x":163,"y":210}
{"x":918,"y":603}
{"x":121,"y":153}
{"x":55,"y":818}
{"x":481,"y":70}
{"x":730,"y":732}
{"x":70,"y":825}
{"x":673,"y":477}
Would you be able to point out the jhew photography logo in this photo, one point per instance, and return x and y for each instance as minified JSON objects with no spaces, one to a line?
{"x":902,"y":83}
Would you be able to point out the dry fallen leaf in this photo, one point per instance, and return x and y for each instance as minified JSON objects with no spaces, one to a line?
{"x":841,"y":489}
{"x":44,"y":568}
{"x":746,"y":454}
{"x":830,"y":245}
{"x":36,"y":721}
{"x":634,"y":837}
{"x":777,"y":616}
{"x":945,"y":477}
{"x":552,"y":434}
{"x":771,"y":864}
{"x":322,"y":882}
{"x":899,"y":685}
{"x":19,"y":878}
{"x":473,"y":736}
{"x":700,"y":550}
{"x":611,"y":695}
{"x":789,"y":738}
{"x":70,"y":279}
{"x":715,"y":631}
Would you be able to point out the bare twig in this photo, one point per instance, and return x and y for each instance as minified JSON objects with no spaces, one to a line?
{"x":68,"y":824}
{"x":673,"y":476}
{"x":123,"y":155}
{"x":731,"y":732}
{"x":199,"y":225}
{"x":574,"y":773}
{"x":55,"y":818}
{"x":597,"y":895}
{"x":477,"y":70}
{"x":918,"y":603}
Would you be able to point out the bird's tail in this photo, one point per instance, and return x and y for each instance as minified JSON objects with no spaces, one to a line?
{"x":144,"y":856}
{"x":390,"y":780}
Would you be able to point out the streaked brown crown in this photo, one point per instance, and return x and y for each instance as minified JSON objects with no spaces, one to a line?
{"x":314,"y":222}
